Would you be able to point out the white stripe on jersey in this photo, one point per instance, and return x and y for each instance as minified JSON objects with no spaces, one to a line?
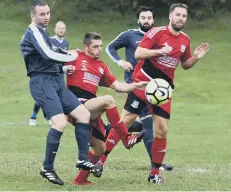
{"x":107,"y":48}
{"x":185,"y":34}
{"x":145,"y":74}
{"x":71,"y":56}
{"x":154,"y":31}
{"x":93,"y":83}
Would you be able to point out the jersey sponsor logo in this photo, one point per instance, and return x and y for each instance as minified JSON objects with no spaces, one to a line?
{"x":168,"y":61}
{"x":182,"y":48}
{"x":135,"y":104}
{"x":91,"y":78}
{"x":101,"y":70}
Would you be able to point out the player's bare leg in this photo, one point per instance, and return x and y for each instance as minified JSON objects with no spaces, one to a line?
{"x":113,"y":138}
{"x":158,"y":148}
{"x":98,"y":149}
{"x":128,"y":118}
{"x":107,"y":104}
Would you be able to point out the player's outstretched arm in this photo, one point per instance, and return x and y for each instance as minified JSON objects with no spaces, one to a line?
{"x":198,"y":54}
{"x":41,"y":46}
{"x":127,"y":87}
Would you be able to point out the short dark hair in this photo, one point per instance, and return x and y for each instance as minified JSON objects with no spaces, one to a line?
{"x":175,"y":5}
{"x":37,"y":3}
{"x":91,"y":36}
{"x":144,"y":9}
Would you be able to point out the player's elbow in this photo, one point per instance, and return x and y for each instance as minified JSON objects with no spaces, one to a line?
{"x":185,"y":67}
{"x":110,"y":49}
{"x":138,"y":54}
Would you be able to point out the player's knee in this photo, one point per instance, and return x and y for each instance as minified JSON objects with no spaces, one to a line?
{"x":109,"y":101}
{"x":161,"y":131}
{"x":60,"y":124}
{"x":85,"y":117}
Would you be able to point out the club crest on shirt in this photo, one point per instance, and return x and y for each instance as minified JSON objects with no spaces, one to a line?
{"x":84,"y":65}
{"x":182,"y":48}
{"x":101,"y":70}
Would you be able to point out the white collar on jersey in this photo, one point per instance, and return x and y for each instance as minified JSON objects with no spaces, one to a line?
{"x":58,"y":38}
{"x":141,"y":31}
{"x":44,"y":28}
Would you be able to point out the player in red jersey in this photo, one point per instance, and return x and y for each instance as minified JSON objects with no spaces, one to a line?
{"x":90,"y":72}
{"x":159,"y":53}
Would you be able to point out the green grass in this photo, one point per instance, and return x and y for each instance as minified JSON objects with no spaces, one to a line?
{"x":199,"y":130}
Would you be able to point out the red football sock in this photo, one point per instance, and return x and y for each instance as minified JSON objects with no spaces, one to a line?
{"x":114,"y":118}
{"x":83,"y":175}
{"x":112,"y":140}
{"x":158,"y":153}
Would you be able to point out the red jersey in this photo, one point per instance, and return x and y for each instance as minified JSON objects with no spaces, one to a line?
{"x":89,"y":73}
{"x":161,"y":66}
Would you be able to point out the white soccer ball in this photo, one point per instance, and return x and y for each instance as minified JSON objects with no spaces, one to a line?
{"x":158,"y":91}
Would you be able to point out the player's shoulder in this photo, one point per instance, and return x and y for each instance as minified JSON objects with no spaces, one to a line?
{"x":28,"y":31}
{"x":27,"y":35}
{"x":156,"y":31}
{"x":185,"y":36}
{"x":80,"y":52}
{"x":131,"y":31}
{"x":102,"y":64}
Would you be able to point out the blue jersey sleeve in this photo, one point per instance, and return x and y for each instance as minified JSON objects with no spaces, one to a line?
{"x":119,"y":42}
{"x":44,"y":50}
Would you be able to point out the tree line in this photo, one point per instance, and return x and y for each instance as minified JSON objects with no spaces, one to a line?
{"x":198,"y":9}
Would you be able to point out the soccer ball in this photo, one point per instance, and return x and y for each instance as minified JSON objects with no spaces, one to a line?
{"x":158,"y":91}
